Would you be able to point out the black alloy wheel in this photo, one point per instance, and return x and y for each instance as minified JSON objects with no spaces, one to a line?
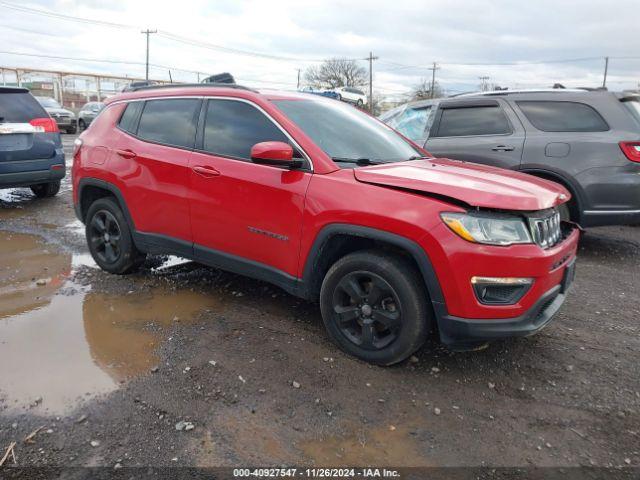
{"x":375,"y":306}
{"x":110,"y":238}
{"x":105,"y":236}
{"x":368,"y":309}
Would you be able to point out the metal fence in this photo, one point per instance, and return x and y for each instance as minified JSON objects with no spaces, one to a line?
{"x":70,"y":89}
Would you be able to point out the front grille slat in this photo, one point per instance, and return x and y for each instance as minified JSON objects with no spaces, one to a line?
{"x":546,"y":230}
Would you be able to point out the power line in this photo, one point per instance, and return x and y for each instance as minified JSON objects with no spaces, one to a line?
{"x":61,"y":16}
{"x":167,"y":35}
{"x":401,"y":66}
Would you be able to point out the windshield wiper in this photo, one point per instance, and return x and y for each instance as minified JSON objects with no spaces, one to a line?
{"x":416,"y":157}
{"x":357,"y":161}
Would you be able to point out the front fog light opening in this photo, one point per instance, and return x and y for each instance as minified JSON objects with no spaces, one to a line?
{"x":500,"y":290}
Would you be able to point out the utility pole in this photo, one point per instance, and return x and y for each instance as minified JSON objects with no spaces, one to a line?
{"x":298,"y":84}
{"x":371,"y":59}
{"x":147,"y":32}
{"x":433,"y":78}
{"x":484,"y":83}
{"x":606,"y":70}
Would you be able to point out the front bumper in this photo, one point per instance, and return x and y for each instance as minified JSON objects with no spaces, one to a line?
{"x":462,"y":333}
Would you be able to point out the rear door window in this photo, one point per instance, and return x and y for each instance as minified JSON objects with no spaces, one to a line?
{"x":470,"y":121}
{"x":550,"y":116}
{"x":232,"y":128}
{"x":19,"y":107}
{"x":170,"y":122}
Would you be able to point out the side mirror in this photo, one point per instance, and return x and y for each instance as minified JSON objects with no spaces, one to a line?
{"x":279,"y":154}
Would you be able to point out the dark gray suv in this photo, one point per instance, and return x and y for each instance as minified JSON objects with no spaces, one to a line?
{"x":589,"y":141}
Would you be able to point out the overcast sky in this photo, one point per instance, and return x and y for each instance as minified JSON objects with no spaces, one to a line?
{"x":407,"y":36}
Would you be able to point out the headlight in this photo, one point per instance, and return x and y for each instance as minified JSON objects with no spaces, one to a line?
{"x":488,"y":228}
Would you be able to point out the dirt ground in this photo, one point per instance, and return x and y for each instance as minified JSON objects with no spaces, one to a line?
{"x":108,"y":367}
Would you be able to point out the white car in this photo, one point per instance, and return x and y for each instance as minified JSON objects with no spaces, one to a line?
{"x":351,"y":95}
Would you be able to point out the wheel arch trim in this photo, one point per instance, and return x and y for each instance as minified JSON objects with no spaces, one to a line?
{"x":110,"y":187}
{"x":416,"y":252}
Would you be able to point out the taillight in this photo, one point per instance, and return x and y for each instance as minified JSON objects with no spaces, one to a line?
{"x":45,"y":125}
{"x":631,"y":150}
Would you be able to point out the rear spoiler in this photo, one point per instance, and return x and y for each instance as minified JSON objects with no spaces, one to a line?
{"x":628,"y":96}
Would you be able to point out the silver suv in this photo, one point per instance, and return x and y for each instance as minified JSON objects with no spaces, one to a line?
{"x":589,"y":141}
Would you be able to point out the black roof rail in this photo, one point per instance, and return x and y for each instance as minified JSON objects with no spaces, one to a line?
{"x":190,"y":85}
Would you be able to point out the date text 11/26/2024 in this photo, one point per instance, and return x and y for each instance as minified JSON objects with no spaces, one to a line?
{"x":315,"y":473}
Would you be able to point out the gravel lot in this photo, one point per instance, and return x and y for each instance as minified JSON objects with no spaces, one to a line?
{"x":186,"y":365}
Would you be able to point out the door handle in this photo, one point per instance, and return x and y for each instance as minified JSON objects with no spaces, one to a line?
{"x":503,"y":148}
{"x":206,"y":171}
{"x":127,"y":153}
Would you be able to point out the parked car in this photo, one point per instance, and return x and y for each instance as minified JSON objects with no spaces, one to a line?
{"x":588,"y":141}
{"x":351,"y":95}
{"x":65,"y":119}
{"x":31,"y":152}
{"x":88,"y":113}
{"x":331,"y":205}
{"x":324,"y":93}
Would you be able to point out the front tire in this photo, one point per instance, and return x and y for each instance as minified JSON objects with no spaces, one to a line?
{"x":374,"y":307}
{"x":46,"y":190}
{"x":109,"y":238}
{"x":360,"y":103}
{"x":82,"y":125}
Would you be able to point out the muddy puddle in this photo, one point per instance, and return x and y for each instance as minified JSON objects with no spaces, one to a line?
{"x":367,"y":446}
{"x":361,"y":445}
{"x":62,"y":343}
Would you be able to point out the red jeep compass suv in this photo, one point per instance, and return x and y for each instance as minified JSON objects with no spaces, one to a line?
{"x":328,"y":203}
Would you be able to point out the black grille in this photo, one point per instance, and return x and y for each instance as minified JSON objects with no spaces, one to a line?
{"x":501,"y":293}
{"x":546,"y":231}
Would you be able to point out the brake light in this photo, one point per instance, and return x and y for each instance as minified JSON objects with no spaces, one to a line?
{"x":631,"y":150}
{"x":45,"y":125}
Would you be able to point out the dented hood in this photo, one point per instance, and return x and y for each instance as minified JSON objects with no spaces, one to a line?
{"x":474,"y":184}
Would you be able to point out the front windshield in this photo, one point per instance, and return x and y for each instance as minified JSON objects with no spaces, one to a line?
{"x":345,"y":133}
{"x":48,"y":102}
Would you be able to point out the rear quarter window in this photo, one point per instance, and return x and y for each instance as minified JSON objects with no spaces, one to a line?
{"x":19,"y":107}
{"x":633,"y":106}
{"x":551,"y":116}
{"x":129,"y":119}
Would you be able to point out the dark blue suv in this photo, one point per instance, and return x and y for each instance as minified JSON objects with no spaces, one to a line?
{"x":31,"y":153}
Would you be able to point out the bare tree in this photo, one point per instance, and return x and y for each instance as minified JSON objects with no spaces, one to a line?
{"x":336,"y":72}
{"x":423,"y":90}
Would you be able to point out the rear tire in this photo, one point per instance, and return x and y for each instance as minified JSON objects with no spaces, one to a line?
{"x":109,"y":238}
{"x":374,"y":307}
{"x":46,"y":190}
